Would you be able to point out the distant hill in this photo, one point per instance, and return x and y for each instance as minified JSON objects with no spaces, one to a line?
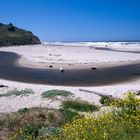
{"x":11,"y":35}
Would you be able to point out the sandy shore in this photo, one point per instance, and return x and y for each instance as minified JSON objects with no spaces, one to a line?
{"x":13,"y":103}
{"x":24,"y":62}
{"x":76,"y":57}
{"x":72,"y":56}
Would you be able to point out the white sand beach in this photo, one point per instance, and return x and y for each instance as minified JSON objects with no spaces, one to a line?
{"x":78,"y":55}
{"x":69,"y":56}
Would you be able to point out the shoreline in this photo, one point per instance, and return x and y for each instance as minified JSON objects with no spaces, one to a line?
{"x":70,"y":77}
{"x":38,"y":57}
{"x":24,"y":62}
{"x":14,"y":103}
{"x":76,"y":57}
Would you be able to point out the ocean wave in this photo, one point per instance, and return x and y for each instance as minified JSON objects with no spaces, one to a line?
{"x":90,"y":43}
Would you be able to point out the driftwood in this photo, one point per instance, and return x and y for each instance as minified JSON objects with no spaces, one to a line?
{"x":1,"y":86}
{"x":137,"y":92}
{"x":97,"y":93}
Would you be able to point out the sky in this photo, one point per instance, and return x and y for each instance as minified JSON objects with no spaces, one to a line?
{"x":75,"y":20}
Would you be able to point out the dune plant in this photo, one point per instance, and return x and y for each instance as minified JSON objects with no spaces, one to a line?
{"x":121,"y":123}
{"x":15,"y":92}
{"x":77,"y":105}
{"x":54,"y":93}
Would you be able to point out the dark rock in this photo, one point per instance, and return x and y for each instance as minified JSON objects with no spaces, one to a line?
{"x":61,"y":69}
{"x":137,"y":92}
{"x":1,"y":86}
{"x":93,"y":68}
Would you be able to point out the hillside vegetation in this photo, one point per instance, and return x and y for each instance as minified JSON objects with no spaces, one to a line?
{"x":11,"y":35}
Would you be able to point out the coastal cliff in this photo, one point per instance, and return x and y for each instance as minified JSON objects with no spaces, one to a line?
{"x":11,"y":35}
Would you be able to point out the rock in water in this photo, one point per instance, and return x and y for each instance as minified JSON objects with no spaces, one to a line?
{"x":11,"y":35}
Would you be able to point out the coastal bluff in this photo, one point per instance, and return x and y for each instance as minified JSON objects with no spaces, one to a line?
{"x":11,"y":35}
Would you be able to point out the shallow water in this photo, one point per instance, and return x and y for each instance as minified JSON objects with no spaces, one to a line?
{"x":85,"y":77}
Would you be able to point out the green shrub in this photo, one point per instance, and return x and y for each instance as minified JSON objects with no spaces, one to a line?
{"x":23,"y":111}
{"x":120,"y":124}
{"x":31,"y":130}
{"x":10,"y":123}
{"x":68,"y":115}
{"x":107,"y":100}
{"x":79,"y":106}
{"x":15,"y":92}
{"x":54,"y":93}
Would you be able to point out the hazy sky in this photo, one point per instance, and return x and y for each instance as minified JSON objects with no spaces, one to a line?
{"x":75,"y":20}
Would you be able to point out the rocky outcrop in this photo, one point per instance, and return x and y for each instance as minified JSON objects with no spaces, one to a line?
{"x":11,"y":35}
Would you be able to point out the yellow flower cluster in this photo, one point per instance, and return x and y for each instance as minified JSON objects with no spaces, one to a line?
{"x":122,"y":122}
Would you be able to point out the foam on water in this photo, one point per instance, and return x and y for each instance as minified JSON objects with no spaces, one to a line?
{"x":94,"y":44}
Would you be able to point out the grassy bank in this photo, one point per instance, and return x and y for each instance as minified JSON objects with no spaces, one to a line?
{"x":75,"y":120}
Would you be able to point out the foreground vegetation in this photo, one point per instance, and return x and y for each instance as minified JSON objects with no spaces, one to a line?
{"x":31,"y":121}
{"x":120,"y":122}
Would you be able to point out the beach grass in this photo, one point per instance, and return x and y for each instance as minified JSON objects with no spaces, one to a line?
{"x":77,"y":105}
{"x":54,"y":93}
{"x":15,"y":92}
